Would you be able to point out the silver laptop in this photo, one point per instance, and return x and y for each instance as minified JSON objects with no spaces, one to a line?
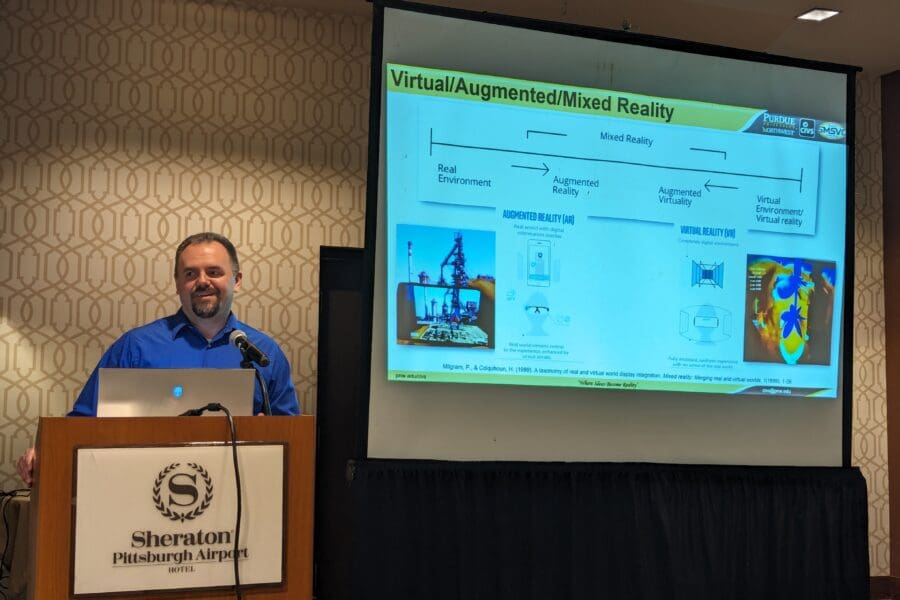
{"x":170,"y":392}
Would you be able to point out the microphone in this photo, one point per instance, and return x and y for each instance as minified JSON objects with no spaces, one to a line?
{"x":251,"y":353}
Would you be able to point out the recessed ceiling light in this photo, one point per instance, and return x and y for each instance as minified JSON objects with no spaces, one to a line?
{"x":818,"y":14}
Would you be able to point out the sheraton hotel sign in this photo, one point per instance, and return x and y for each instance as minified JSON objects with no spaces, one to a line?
{"x":177,"y":530}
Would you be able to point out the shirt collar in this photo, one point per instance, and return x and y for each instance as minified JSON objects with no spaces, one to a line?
{"x":180,"y":323}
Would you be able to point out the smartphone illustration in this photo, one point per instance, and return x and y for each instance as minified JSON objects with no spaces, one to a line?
{"x":539,"y":263}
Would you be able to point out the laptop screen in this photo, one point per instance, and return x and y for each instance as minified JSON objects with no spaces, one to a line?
{"x":170,"y":392}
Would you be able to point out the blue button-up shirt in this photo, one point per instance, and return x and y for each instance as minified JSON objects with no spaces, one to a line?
{"x":174,"y":343}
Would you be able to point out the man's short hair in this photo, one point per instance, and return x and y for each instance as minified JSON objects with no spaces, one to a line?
{"x":205,"y":238}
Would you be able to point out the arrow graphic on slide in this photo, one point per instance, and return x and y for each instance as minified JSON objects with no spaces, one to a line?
{"x":528,"y":133}
{"x":708,"y":185}
{"x":722,"y":152}
{"x":545,"y":168}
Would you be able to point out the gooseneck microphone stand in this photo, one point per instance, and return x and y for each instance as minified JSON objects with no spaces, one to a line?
{"x":248,"y":364}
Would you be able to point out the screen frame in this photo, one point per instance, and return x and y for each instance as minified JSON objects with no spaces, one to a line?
{"x":374,"y":182}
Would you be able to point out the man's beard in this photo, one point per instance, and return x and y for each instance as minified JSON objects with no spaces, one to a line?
{"x":204,"y":309}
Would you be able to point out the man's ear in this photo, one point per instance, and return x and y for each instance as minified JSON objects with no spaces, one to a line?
{"x":238,"y":277}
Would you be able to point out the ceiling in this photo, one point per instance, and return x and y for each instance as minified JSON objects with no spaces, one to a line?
{"x":866,"y":34}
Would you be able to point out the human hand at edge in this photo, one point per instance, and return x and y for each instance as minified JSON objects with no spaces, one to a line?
{"x":25,"y":466}
{"x":485,"y":286}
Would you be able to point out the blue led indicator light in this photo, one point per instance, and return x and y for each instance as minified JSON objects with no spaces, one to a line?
{"x":178,"y":391}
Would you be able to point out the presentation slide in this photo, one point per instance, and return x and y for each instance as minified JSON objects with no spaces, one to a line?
{"x":542,"y":234}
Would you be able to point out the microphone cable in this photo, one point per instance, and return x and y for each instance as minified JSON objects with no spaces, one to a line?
{"x":216,"y":407}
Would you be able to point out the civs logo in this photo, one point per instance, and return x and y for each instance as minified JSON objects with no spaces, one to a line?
{"x":182,"y":493}
{"x":807,"y":128}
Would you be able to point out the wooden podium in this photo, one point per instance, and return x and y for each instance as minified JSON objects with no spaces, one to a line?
{"x":52,"y":498}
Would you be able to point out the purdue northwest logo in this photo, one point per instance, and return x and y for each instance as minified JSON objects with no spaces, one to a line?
{"x":182,"y":493}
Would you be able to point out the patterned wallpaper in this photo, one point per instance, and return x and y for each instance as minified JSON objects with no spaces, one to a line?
{"x":870,"y":452}
{"x":126,"y":125}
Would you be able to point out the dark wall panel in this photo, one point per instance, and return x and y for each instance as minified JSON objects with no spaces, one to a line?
{"x":339,"y":418}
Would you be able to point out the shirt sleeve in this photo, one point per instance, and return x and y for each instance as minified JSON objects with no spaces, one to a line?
{"x":282,"y":395}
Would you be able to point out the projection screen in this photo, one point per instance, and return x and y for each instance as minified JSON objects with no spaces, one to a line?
{"x":588,"y":245}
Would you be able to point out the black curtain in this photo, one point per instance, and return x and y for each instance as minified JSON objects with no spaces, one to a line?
{"x":490,"y":530}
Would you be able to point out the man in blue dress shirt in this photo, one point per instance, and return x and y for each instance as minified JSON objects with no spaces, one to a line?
{"x":207,"y":274}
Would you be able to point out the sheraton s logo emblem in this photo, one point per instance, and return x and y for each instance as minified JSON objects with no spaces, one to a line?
{"x":182,"y":493}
